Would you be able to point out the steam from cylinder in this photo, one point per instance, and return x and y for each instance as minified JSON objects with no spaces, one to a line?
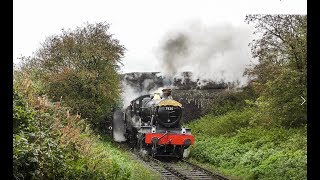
{"x":118,"y":128}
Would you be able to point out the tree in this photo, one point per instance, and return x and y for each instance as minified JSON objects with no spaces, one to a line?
{"x":280,"y":78}
{"x":80,"y":67}
{"x":283,"y":42}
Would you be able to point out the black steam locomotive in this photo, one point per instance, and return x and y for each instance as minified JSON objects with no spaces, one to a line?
{"x":151,"y":124}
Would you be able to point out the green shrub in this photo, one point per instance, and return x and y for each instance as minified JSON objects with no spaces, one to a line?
{"x":280,"y":101}
{"x":80,"y":66}
{"x":282,"y":165}
{"x":36,"y":153}
{"x":231,"y":101}
{"x":49,"y":144}
{"x":231,"y":122}
{"x":249,"y":152}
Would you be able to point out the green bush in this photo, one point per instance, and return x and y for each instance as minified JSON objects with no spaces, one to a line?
{"x":249,"y":152}
{"x":22,"y":115}
{"x":80,"y":68}
{"x":49,"y":145}
{"x":228,"y":124}
{"x":36,"y":153}
{"x":282,"y":165}
{"x":231,"y":101}
{"x":281,"y":102}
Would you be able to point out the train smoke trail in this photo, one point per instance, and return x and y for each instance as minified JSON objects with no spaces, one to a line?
{"x":210,"y":52}
{"x":174,"y":49}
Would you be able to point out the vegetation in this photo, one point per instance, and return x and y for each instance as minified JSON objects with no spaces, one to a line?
{"x":50,"y":139}
{"x":280,"y":78}
{"x":231,"y":100}
{"x":232,"y":145}
{"x":51,"y":143}
{"x":80,"y":67}
{"x":260,"y":133}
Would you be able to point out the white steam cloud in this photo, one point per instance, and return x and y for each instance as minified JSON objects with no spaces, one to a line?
{"x":118,"y":128}
{"x":215,"y":53}
{"x":129,"y":93}
{"x":218,"y":53}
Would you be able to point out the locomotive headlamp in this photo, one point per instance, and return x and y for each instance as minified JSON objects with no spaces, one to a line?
{"x":153,"y":129}
{"x":183,"y":131}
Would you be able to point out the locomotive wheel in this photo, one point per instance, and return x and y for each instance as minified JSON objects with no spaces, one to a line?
{"x":118,"y":126}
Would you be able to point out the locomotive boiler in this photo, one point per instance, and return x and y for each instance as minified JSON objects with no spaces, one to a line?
{"x":152,"y":125}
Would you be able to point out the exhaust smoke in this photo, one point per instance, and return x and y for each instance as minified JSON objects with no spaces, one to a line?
{"x":216,"y":53}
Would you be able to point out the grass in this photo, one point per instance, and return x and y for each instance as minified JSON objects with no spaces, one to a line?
{"x":230,"y":145}
{"x":127,"y":162}
{"x":111,"y":163}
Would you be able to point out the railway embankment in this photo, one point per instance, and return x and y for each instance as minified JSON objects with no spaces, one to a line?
{"x":236,"y":144}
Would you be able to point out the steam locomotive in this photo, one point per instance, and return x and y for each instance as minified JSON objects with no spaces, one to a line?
{"x":151,"y":124}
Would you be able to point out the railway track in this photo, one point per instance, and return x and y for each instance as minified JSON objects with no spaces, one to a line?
{"x":174,"y":169}
{"x":181,"y":169}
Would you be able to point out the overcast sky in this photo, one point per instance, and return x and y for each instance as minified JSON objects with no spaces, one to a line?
{"x":139,"y":25}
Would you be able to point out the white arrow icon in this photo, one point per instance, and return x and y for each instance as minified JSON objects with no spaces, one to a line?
{"x":303,"y":100}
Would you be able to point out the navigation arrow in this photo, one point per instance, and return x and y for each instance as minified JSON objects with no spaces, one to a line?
{"x":303,"y":100}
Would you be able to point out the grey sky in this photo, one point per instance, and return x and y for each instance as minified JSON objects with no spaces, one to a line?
{"x":139,"y":25}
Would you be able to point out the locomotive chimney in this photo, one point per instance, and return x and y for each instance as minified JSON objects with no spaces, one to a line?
{"x":166,"y":93}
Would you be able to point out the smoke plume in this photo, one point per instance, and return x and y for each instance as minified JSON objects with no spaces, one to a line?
{"x":210,"y":52}
{"x":195,"y":54}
